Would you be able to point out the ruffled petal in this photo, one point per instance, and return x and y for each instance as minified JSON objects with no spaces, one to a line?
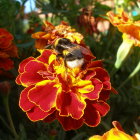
{"x":23,"y":63}
{"x":18,"y":79}
{"x":24,"y":102}
{"x":31,"y":75}
{"x":44,"y":95}
{"x":102,"y":107}
{"x":89,"y":74}
{"x":84,"y":86}
{"x":50,"y":118}
{"x":69,"y":104}
{"x":69,"y":123}
{"x":91,"y":116}
{"x":94,"y":64}
{"x":104,"y":95}
{"x":44,"y":57}
{"x":36,"y":114}
{"x":103,"y":76}
{"x":97,"y":89}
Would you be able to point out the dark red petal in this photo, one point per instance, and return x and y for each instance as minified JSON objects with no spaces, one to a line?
{"x":65,"y":87}
{"x":44,"y":96}
{"x":102,"y":107}
{"x":44,"y":57}
{"x":24,"y":102}
{"x":50,"y":118}
{"x":107,"y":85}
{"x":103,"y":76}
{"x":69,"y":123}
{"x":23,"y":63}
{"x":97,"y":63}
{"x":97,"y":89}
{"x":36,"y":114}
{"x":31,"y":75}
{"x":69,"y":104}
{"x":91,"y":115}
{"x":104,"y":95}
{"x":89,"y":75}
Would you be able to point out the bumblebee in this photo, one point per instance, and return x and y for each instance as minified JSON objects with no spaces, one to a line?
{"x":70,"y":52}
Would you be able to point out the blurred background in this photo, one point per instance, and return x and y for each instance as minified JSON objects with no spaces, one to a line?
{"x":22,"y":18}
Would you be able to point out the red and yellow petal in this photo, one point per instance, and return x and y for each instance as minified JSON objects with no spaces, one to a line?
{"x":69,"y":123}
{"x":24,"y":102}
{"x":31,"y":75}
{"x":44,"y":95}
{"x":102,"y":107}
{"x":69,"y":104}
{"x":84,"y":86}
{"x":45,"y":56}
{"x":36,"y":114}
{"x":93,"y":95}
{"x":89,"y":74}
{"x":23,"y":63}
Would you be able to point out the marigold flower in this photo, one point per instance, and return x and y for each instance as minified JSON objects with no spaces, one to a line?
{"x":131,"y":34}
{"x":116,"y":133}
{"x":71,"y":96}
{"x":7,"y":49}
{"x":51,"y":33}
{"x":126,"y":25}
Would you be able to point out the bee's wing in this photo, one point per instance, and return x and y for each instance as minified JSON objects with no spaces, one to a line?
{"x":87,"y":53}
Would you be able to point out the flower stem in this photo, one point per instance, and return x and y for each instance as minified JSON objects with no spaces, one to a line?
{"x":134,"y":72}
{"x":7,"y":109}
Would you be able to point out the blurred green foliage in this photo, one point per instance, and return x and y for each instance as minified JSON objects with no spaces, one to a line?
{"x":125,"y":107}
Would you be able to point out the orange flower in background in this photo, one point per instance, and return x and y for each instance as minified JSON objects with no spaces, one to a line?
{"x":131,"y":35}
{"x":51,"y":33}
{"x":53,"y":91}
{"x":7,"y":49}
{"x":116,"y":133}
{"x":124,"y":23}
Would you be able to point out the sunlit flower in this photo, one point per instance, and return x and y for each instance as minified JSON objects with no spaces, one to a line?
{"x":116,"y":133}
{"x":72,"y":96}
{"x":131,"y":34}
{"x":126,"y":25}
{"x":51,"y":33}
{"x":7,"y":49}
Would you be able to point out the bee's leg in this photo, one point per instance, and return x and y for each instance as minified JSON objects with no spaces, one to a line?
{"x":58,"y":56}
{"x":48,"y":47}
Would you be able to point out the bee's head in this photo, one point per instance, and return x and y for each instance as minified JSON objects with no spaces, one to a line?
{"x":62,"y":44}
